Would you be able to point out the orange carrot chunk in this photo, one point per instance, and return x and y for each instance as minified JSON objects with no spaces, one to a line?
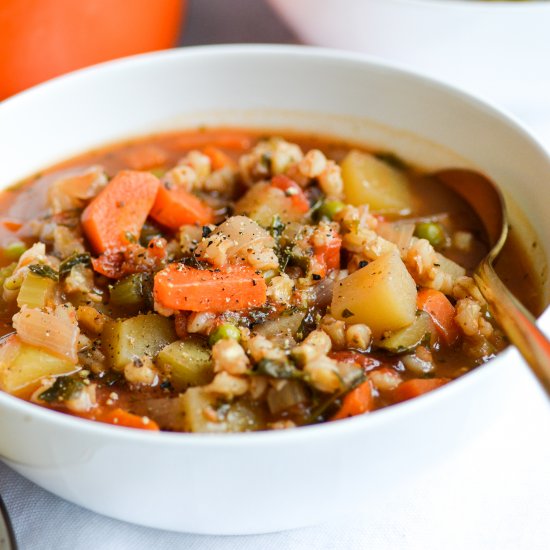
{"x":357,"y":401}
{"x":218,"y":159}
{"x":115,"y":217}
{"x":442,"y":312}
{"x":120,"y":417}
{"x":186,"y":288}
{"x":415,"y":387}
{"x":176,"y":207}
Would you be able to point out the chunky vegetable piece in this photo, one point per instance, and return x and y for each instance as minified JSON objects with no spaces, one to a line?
{"x":357,"y":401}
{"x":408,"y":338}
{"x":239,"y":416}
{"x":415,"y":387}
{"x":238,"y":283}
{"x":123,"y":341}
{"x":381,"y":295}
{"x":442,"y":312}
{"x":115,"y":217}
{"x":36,"y":291}
{"x":232,"y":289}
{"x":186,"y":363}
{"x":22,"y":365}
{"x":174,"y":207}
{"x":368,"y":180}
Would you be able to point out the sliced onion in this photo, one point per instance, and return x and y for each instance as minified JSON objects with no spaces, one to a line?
{"x":69,"y":191}
{"x":290,"y":394}
{"x":399,"y":233}
{"x":242,"y":232}
{"x":49,"y":331}
{"x":323,"y":292}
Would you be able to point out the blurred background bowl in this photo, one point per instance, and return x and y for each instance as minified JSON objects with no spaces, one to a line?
{"x":40,"y":39}
{"x":500,"y":50}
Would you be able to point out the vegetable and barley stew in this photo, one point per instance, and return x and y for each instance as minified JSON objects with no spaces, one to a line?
{"x":224,"y":281}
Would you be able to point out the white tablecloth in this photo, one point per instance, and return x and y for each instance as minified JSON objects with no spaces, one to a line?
{"x":493,"y":494}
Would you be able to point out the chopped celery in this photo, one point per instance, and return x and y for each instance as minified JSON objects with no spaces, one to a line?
{"x":149,"y":231}
{"x":14,"y":250}
{"x":238,"y":416}
{"x":36,"y":291}
{"x":124,"y":340}
{"x":134,"y":292}
{"x":6,"y":272}
{"x":186,"y":362}
{"x":409,"y":337}
{"x":22,"y":364}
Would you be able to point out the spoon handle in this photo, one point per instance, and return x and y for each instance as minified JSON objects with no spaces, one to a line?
{"x":518,"y":324}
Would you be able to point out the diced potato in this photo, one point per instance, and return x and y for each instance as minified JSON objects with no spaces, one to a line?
{"x":36,"y":291}
{"x":408,"y":338}
{"x":382,"y":295}
{"x":22,"y":365}
{"x":263,"y":202}
{"x":202,"y":414}
{"x":123,"y":340}
{"x":187,"y":363}
{"x":368,"y":180}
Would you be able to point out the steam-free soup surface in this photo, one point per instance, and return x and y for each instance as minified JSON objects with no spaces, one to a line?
{"x":226,"y":280}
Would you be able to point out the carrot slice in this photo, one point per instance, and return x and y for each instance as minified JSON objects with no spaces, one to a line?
{"x":328,"y":254}
{"x":357,"y":401}
{"x":176,"y":207}
{"x":218,"y":159}
{"x":12,"y":225}
{"x":293,"y":191}
{"x":415,"y":387}
{"x":115,"y":217}
{"x":120,"y":417}
{"x":442,"y":312}
{"x":185,"y":288}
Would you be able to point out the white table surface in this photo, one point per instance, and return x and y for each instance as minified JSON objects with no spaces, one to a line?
{"x":493,"y":494}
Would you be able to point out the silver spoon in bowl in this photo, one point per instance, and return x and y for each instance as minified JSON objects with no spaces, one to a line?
{"x":518,"y":324}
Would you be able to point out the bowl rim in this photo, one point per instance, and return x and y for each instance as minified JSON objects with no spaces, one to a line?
{"x":272,"y":437}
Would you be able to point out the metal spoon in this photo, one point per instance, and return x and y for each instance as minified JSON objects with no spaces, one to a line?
{"x":487,"y":201}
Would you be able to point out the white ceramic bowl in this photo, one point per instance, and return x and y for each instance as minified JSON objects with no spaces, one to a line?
{"x":259,"y":482}
{"x":496,"y":49}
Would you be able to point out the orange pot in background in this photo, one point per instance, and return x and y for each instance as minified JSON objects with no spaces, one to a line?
{"x":40,"y":39}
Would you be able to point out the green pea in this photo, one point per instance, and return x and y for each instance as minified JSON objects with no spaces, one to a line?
{"x":14,"y":250}
{"x":329,"y":209}
{"x":224,"y":332}
{"x":431,"y":231}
